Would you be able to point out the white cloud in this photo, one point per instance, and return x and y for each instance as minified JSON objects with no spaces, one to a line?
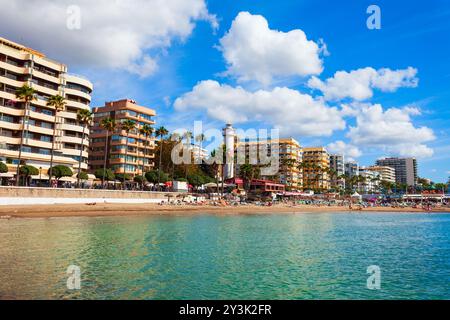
{"x":254,"y":52}
{"x":349,"y":151}
{"x":391,"y":131}
{"x":359,"y":84}
{"x":113,"y":34}
{"x":289,"y":110}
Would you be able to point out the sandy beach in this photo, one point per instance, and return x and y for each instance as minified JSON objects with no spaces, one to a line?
{"x":109,"y":209}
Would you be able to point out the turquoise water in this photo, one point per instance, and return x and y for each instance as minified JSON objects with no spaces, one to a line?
{"x":302,"y":256}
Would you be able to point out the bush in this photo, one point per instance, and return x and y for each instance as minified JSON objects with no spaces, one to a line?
{"x":109,"y":174}
{"x":3,"y":168}
{"x":60,"y":172}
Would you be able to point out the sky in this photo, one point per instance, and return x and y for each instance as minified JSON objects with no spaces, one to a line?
{"x":312,"y":69}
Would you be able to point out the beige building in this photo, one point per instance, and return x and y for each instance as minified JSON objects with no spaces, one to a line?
{"x":289,"y":153}
{"x":386,"y":173}
{"x":140,"y":147}
{"x":316,"y":165}
{"x":20,"y":65}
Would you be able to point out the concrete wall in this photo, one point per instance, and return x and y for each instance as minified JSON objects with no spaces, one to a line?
{"x":27,"y":196}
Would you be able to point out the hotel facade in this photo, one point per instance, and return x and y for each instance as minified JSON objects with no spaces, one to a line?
{"x":386,"y":173}
{"x":140,"y":147}
{"x":316,"y":162}
{"x":289,"y":154}
{"x":20,"y":66}
{"x":405,"y":169}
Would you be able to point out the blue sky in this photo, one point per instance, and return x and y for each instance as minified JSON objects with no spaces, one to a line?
{"x":413,"y":34}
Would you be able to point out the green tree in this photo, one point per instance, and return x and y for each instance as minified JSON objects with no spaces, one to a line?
{"x":109,"y":125}
{"x":58,"y":103}
{"x":127,"y":126}
{"x":140,"y":180}
{"x":27,"y":95}
{"x":161,"y":132}
{"x":82,"y":176}
{"x":147,"y":131}
{"x":27,"y":171}
{"x":3,"y":168}
{"x":105,"y":175}
{"x":200,"y":139}
{"x":84,"y":118}
{"x":60,"y":172}
{"x":155,"y":176}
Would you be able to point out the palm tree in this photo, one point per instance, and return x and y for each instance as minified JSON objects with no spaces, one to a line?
{"x":161,"y":133}
{"x":200,"y":138}
{"x":84,"y":118}
{"x":147,"y":131}
{"x":110,"y":125}
{"x":27,"y":95}
{"x":188,"y":135}
{"x":58,"y":102}
{"x":127,"y":126}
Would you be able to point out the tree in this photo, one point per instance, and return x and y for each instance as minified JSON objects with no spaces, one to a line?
{"x":124,"y":177}
{"x":60,"y":172}
{"x":200,"y":138}
{"x":57,"y":102}
{"x":110,"y":125}
{"x":249,"y":172}
{"x":26,"y":171}
{"x":105,"y":175}
{"x":82,"y":176}
{"x":161,"y":133}
{"x":155,"y":176}
{"x":84,"y":118}
{"x":140,"y":180}
{"x":3,"y":168}
{"x":127,"y":126}
{"x":27,"y":95}
{"x":147,"y":131}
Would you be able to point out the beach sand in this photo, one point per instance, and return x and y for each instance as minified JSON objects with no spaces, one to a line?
{"x":110,"y":209}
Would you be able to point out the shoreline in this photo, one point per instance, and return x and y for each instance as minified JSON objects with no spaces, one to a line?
{"x":128,"y":210}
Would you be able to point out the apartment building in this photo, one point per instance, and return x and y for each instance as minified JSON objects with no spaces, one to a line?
{"x":351,"y":169}
{"x":370,"y":182}
{"x":20,"y":66}
{"x":289,"y":154}
{"x":140,"y":156}
{"x":405,"y":169}
{"x":386,"y":173}
{"x":316,"y":165}
{"x":337,"y":165}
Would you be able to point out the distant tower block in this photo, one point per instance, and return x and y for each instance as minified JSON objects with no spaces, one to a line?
{"x":229,"y":135}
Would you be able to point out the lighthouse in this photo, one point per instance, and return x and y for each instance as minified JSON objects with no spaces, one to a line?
{"x":229,"y":136}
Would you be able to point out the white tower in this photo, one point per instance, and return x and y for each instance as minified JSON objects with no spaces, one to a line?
{"x":229,"y":136}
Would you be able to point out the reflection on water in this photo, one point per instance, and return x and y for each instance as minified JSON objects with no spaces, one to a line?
{"x":304,"y":256}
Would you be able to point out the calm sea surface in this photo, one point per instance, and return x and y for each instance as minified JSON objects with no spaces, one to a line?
{"x":303,"y":256}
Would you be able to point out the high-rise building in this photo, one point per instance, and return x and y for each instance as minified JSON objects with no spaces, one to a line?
{"x":386,"y":173}
{"x":351,"y":169}
{"x":316,"y":163}
{"x":405,"y":169}
{"x":337,"y":165}
{"x":140,"y":147}
{"x":20,"y":66}
{"x":289,"y":154}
